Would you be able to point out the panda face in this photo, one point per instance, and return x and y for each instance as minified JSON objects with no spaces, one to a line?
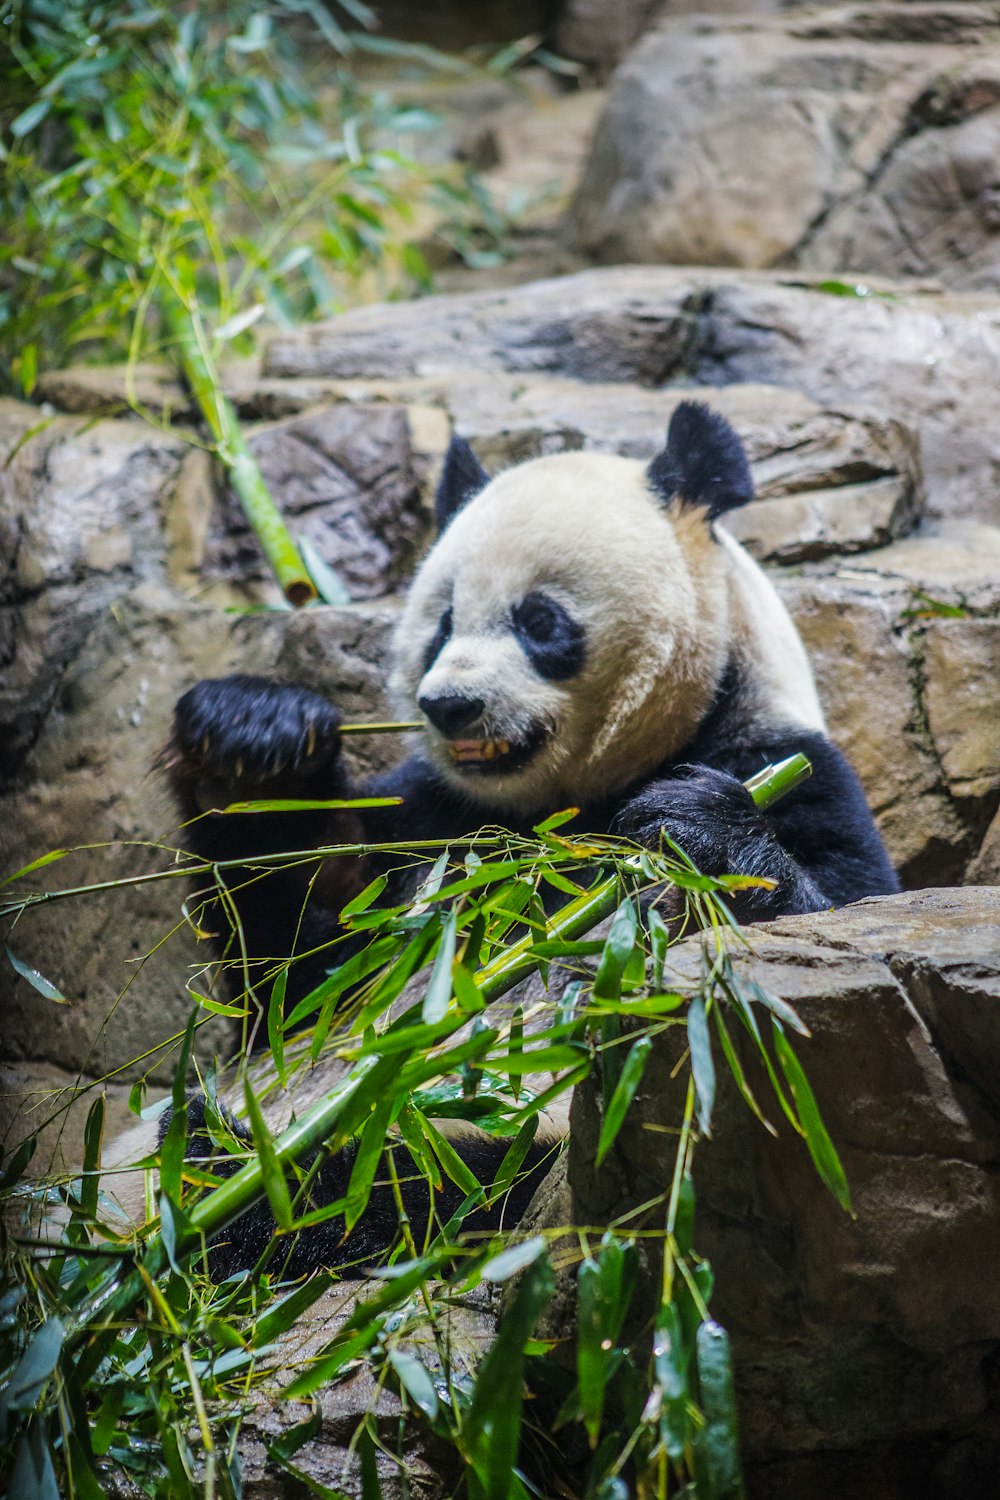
{"x":563,"y":635}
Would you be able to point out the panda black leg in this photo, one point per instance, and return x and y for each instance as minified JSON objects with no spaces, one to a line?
{"x":245,"y":738}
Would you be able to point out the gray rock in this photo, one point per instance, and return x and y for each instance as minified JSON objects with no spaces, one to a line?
{"x":344,"y":477}
{"x":929,"y":361}
{"x":87,"y":782}
{"x":79,"y":525}
{"x":862,"y":1346}
{"x":598,"y":34}
{"x":861,"y":137}
{"x":911,"y":697}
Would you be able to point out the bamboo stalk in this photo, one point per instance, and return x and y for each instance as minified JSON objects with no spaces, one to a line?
{"x":244,"y":472}
{"x":218,"y":1209}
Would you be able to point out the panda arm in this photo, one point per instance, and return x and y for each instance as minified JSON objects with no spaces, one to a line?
{"x":245,"y":738}
{"x":819,"y":843}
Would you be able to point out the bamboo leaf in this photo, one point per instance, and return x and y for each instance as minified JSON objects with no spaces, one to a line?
{"x":702,"y":1066}
{"x":493,"y":1425}
{"x":718,"y":1442}
{"x":415,"y":1381}
{"x":517,"y":1258}
{"x":617,"y":951}
{"x":624,"y":1092}
{"x":275,"y":1185}
{"x":276,"y":1024}
{"x":514,"y":1158}
{"x":36,"y":980}
{"x":34,"y":1367}
{"x":366,"y":1161}
{"x":821,"y":1147}
{"x":439,"y":989}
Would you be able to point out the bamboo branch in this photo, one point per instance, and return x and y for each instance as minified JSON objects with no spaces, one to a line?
{"x":319,"y":1124}
{"x":245,"y":476}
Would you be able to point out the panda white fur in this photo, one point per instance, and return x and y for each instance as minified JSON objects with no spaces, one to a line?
{"x":580,"y":634}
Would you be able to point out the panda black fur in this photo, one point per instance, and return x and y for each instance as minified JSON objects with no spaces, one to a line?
{"x":580,"y":634}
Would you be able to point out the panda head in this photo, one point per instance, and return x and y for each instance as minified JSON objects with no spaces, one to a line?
{"x":568,"y":629}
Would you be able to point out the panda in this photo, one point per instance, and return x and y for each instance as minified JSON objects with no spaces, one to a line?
{"x":582,"y":634}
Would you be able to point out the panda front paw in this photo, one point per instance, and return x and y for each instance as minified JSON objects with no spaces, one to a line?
{"x":709,"y":814}
{"x":251,"y":731}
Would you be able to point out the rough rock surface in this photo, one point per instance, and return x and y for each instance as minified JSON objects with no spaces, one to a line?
{"x":865,"y":1348}
{"x":929,"y":360}
{"x":88,"y":781}
{"x":903,"y":631}
{"x":860,"y":137}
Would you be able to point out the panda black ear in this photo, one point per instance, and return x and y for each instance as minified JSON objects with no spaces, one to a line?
{"x":462,"y":477}
{"x":703,"y":462}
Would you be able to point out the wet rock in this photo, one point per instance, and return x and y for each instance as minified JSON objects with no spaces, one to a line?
{"x":410,"y":1461}
{"x":863,"y":1347}
{"x":860,"y":137}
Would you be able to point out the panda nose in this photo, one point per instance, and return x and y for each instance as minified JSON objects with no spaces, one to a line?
{"x":451,"y":714}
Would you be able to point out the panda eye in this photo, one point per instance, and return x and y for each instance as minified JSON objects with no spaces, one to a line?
{"x":537,"y":617}
{"x":549,"y":636}
{"x":439,"y":640}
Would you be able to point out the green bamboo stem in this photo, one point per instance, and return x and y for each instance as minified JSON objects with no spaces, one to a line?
{"x":218,"y":1209}
{"x":244,"y":472}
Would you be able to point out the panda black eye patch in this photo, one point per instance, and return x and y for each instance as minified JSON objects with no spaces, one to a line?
{"x":549,"y":636}
{"x":439,"y":639}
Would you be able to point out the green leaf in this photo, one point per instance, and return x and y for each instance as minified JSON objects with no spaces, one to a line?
{"x":30,"y":117}
{"x":458,"y":1170}
{"x":603,"y":1292}
{"x":275,"y":1185}
{"x":415,"y":1381}
{"x":36,"y":980}
{"x":717,"y":1444}
{"x":371,"y":1486}
{"x":36,"y":864}
{"x":364,"y":899}
{"x":514,"y":1259}
{"x":93,"y":1134}
{"x":669,"y":1358}
{"x":493,"y":1425}
{"x":34,"y":1367}
{"x":514,"y":1159}
{"x":366,"y":1161}
{"x":294,"y":1438}
{"x":821,"y":1148}
{"x":276,"y":1024}
{"x":624,"y":1092}
{"x":702,"y":1066}
{"x":279,"y":1316}
{"x":20,"y":1157}
{"x":617,"y":951}
{"x":439,"y":988}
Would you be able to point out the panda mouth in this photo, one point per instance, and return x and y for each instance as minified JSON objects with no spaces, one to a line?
{"x":494,"y":756}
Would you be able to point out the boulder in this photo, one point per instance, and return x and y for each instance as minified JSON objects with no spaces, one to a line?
{"x":930,"y":361}
{"x":858,"y":138}
{"x":79,"y":525}
{"x":864,"y":1346}
{"x":87,"y":782}
{"x":904,"y":644}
